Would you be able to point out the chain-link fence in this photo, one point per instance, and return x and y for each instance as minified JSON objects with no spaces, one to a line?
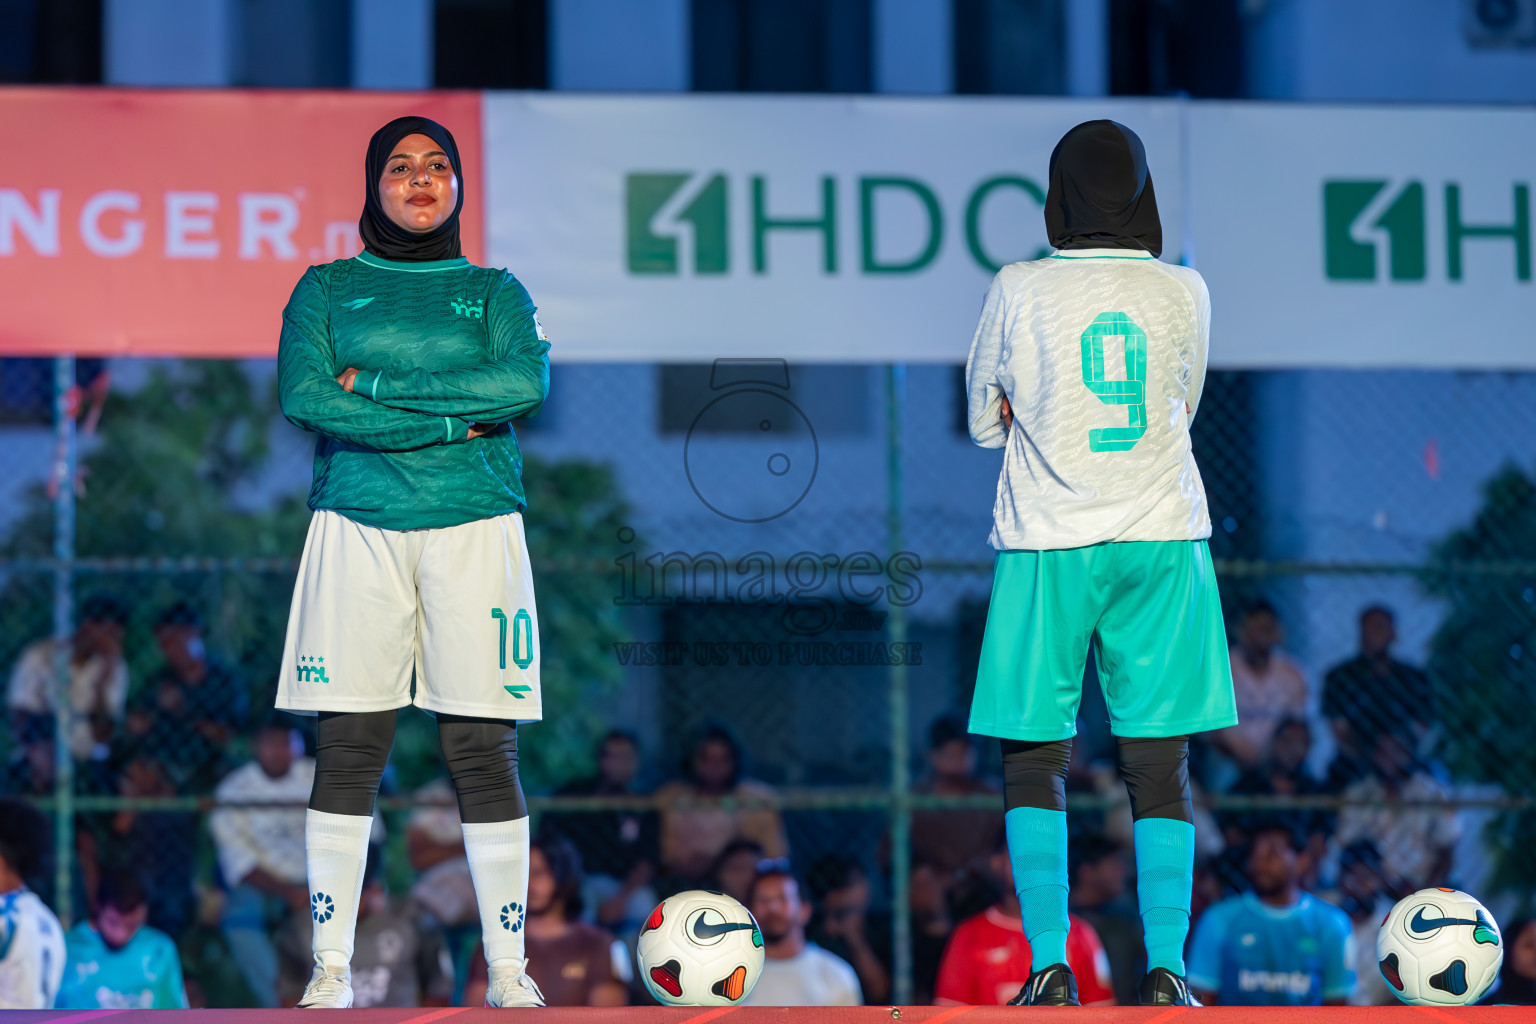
{"x":761,"y":594}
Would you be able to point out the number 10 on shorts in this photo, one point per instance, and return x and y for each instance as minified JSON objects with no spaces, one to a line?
{"x":522,"y":642}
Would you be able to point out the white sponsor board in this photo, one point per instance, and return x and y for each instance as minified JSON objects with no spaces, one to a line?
{"x":1365,"y":236}
{"x":808,"y":228}
{"x":686,"y":228}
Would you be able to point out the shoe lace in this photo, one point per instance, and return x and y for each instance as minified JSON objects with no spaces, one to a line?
{"x":325,"y":985}
{"x":519,"y":980}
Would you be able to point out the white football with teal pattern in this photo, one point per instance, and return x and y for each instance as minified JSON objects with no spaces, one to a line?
{"x":1439,"y":947}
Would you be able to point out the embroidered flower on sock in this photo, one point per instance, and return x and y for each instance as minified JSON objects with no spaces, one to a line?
{"x":512,"y":917}
{"x":321,"y":907}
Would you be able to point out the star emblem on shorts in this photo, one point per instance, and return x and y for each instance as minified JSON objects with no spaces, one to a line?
{"x":512,"y":917}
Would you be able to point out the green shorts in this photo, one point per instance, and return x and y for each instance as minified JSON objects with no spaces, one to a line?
{"x":1153,"y":614}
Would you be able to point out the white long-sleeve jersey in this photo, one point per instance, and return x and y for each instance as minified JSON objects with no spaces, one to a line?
{"x":1101,"y":353}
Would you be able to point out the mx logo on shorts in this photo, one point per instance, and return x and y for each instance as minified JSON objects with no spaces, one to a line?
{"x":512,"y":917}
{"x":311,"y":669}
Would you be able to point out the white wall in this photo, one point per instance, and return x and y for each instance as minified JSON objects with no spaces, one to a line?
{"x":392,"y":43}
{"x":913,"y":46}
{"x":1403,"y":50}
{"x":620,"y":45}
{"x":168,"y":42}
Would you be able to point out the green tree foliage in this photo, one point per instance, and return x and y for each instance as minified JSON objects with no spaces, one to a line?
{"x":164,"y":478}
{"x":180,"y":471}
{"x":1483,"y":657}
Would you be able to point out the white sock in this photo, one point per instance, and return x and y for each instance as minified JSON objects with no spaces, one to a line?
{"x":336,"y":848}
{"x":498,"y":862}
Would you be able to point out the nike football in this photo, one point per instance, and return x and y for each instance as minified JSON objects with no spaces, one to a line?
{"x":700,"y":948}
{"x":1439,"y":947}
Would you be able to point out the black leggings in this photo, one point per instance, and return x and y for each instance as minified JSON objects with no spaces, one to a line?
{"x":1156,"y":775}
{"x":481,"y":753}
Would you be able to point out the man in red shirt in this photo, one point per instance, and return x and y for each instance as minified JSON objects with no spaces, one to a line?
{"x":987,"y":961}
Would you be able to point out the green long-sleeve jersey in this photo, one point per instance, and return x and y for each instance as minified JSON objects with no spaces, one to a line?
{"x":439,"y":346}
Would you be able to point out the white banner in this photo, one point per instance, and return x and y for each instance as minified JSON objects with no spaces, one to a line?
{"x":682,"y":229}
{"x":836,"y":229}
{"x":1365,"y":236}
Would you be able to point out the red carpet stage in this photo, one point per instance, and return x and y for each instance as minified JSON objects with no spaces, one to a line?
{"x":780,"y":1015}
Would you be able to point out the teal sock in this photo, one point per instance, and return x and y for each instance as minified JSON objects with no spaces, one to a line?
{"x":1165,"y":876}
{"x":1037,"y":848}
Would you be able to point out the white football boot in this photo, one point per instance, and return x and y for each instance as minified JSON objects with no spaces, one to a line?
{"x":511,"y":986}
{"x":330,"y":988}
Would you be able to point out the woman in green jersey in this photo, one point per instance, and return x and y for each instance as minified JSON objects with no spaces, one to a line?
{"x":409,"y":362}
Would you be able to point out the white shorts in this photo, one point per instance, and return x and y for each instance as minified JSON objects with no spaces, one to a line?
{"x":453,"y":605}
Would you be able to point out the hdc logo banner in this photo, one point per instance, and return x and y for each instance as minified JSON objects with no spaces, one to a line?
{"x":691,"y":227}
{"x":1347,"y":206}
{"x":1382,"y":236}
{"x":178,"y":222}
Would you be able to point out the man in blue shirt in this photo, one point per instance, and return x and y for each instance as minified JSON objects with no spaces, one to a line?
{"x":1274,"y":945}
{"x":117,"y":962}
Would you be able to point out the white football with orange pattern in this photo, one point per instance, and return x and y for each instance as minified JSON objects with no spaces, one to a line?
{"x":700,"y":948}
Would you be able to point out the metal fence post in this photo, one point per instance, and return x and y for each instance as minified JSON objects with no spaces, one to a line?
{"x":63,"y":633}
{"x":901,"y":811}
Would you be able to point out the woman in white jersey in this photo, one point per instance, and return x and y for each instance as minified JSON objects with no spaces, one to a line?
{"x":31,"y":941}
{"x":1086,"y":368}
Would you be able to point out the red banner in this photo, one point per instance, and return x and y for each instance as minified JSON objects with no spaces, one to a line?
{"x":152,"y":222}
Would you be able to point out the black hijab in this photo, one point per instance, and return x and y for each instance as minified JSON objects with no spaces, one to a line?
{"x":382,"y":236}
{"x":1100,"y":196}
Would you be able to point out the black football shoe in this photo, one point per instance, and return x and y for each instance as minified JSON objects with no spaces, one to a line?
{"x":1049,"y":986}
{"x":1161,"y":987}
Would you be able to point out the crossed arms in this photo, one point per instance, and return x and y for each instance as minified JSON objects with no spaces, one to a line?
{"x":400,"y":410}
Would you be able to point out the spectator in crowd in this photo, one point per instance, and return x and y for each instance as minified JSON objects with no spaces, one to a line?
{"x":928,"y":898}
{"x":735,"y":868}
{"x":1366,"y":896}
{"x":30,"y":769}
{"x":574,"y":963}
{"x":31,"y":939}
{"x":444,"y":893}
{"x":691,"y":836}
{"x":953,"y":840}
{"x":1283,"y":772}
{"x":987,"y":960}
{"x":1517,"y":978}
{"x":796,"y":971}
{"x":1101,"y":896}
{"x":200,"y":704}
{"x":116,"y":961}
{"x":98,"y":679}
{"x":619,"y":847}
{"x":1275,"y":945}
{"x":395,"y":962}
{"x":1267,"y":683}
{"x":261,"y":856}
{"x":160,"y":846}
{"x":1371,"y":693}
{"x":1416,"y":843}
{"x":843,"y":926}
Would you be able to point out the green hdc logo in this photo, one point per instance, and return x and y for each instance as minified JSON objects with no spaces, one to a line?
{"x":680,"y":222}
{"x":1351,"y":209}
